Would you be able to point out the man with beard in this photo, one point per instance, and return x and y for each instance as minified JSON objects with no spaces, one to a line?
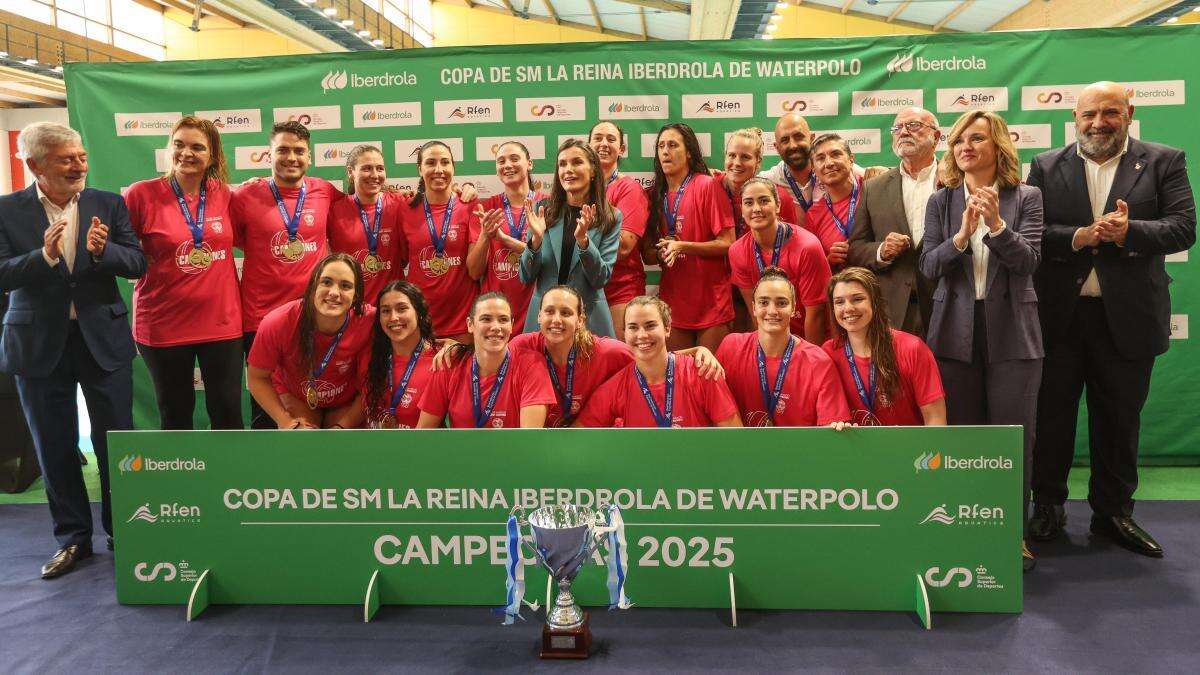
{"x":793,"y":142}
{"x":891,"y":221}
{"x":1115,"y":207}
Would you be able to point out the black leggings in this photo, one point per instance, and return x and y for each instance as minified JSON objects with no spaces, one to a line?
{"x":171,"y":369}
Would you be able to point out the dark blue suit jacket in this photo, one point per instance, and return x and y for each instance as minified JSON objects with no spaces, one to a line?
{"x":35,"y":325}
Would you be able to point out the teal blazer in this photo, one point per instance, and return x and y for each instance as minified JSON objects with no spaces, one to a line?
{"x":589,"y":274}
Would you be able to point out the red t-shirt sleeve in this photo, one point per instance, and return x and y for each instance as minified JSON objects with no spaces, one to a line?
{"x":741,"y":265}
{"x":715,"y":203}
{"x":536,"y":388}
{"x":436,"y":400}
{"x":634,"y":209}
{"x":831,"y":398}
{"x":718,"y":400}
{"x":922,"y":371}
{"x":813,"y":280}
{"x":237,"y":221}
{"x":269,"y":342}
{"x":599,"y":411}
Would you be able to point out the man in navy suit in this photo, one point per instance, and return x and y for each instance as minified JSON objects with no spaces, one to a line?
{"x":61,"y":249}
{"x":1115,"y":206}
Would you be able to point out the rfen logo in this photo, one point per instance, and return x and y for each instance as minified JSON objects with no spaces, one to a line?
{"x":960,"y":99}
{"x":551,"y":109}
{"x":252,"y":157}
{"x":809,"y":104}
{"x":313,"y":117}
{"x":387,"y":114}
{"x":406,"y":150}
{"x":468,"y":111}
{"x":243,"y":121}
{"x":702,"y":106}
{"x":146,"y":124}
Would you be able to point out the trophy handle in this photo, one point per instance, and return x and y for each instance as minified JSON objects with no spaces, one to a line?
{"x":519,"y":511}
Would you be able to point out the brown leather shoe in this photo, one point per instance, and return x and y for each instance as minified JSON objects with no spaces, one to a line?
{"x":64,"y":560}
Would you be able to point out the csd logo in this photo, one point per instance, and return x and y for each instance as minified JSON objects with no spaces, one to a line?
{"x":1050,"y":97}
{"x":799,"y":105}
{"x":139,"y":571}
{"x":931,"y":577}
{"x":259,"y":156}
{"x":302,"y":119}
{"x":539,"y":111}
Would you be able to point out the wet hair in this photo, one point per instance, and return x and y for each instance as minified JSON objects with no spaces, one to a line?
{"x":584,"y":341}
{"x":308,"y":309}
{"x":420,"y":194}
{"x":378,"y":368}
{"x":217,"y":169}
{"x":655,"y":224}
{"x":620,"y":135}
{"x":879,"y":331}
{"x":753,"y":134}
{"x":484,"y":297}
{"x":775,"y":273}
{"x":771,"y":187}
{"x":664,"y":310}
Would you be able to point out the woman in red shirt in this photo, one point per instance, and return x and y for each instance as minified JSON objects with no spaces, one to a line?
{"x":306,"y":362}
{"x":743,"y":159}
{"x":402,"y":351}
{"x":894,"y":380}
{"x":691,"y":229}
{"x":776,"y":378}
{"x":366,"y":224}
{"x":499,"y":227}
{"x":490,"y":386}
{"x":436,"y":232}
{"x":625,"y":193}
{"x":187,"y":306}
{"x":660,"y":389}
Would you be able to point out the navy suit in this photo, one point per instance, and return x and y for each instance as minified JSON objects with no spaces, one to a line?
{"x":1107,"y":344}
{"x":50,"y":354}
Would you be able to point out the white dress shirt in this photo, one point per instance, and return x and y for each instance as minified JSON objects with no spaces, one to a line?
{"x":70,"y":213}
{"x":979,"y":251}
{"x":1099,"y":183}
{"x":916,"y":191}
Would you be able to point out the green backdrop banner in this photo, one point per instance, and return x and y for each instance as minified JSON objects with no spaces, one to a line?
{"x":803,"y":518}
{"x":476,"y":97}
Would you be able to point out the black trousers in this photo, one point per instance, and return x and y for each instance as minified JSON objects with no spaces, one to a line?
{"x":171,"y":369}
{"x":53,"y":416}
{"x":1116,"y":391}
{"x":259,"y":419}
{"x":994,"y":392}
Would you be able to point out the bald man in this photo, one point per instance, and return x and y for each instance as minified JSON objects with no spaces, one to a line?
{"x":793,"y":142}
{"x":891,"y":221}
{"x":1114,"y":207}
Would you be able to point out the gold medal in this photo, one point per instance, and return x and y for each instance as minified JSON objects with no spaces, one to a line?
{"x":372,"y":264}
{"x":199,"y":258}
{"x":294,"y":249}
{"x":439,"y":265}
{"x":387,"y":421}
{"x":310,"y":395}
{"x":514,"y":258}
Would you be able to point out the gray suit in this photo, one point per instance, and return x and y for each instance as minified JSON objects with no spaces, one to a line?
{"x":989,"y":352}
{"x":908,"y":293}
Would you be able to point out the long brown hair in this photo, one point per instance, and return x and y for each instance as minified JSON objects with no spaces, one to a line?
{"x":879,"y":331}
{"x":308,"y":309}
{"x":606,"y":217}
{"x":217,"y":169}
{"x":419,"y":196}
{"x":655,"y":225}
{"x":1008,"y":163}
{"x":381,"y":345}
{"x":584,"y":341}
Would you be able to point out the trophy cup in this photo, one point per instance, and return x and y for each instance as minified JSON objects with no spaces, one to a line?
{"x":564,"y":538}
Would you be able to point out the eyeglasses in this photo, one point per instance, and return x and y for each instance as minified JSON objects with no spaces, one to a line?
{"x":912,"y":127}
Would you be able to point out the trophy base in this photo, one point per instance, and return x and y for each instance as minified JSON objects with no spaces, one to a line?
{"x":566,"y":644}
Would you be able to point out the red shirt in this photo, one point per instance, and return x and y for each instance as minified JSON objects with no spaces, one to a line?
{"x":812,"y":391}
{"x":628,"y":278}
{"x":526,"y":384}
{"x":608,"y":357}
{"x":821,"y":221}
{"x":801,"y":256}
{"x":176,"y":302}
{"x":450,"y":293}
{"x":277,"y":349}
{"x":346,"y":235}
{"x":920,"y":382}
{"x":788,"y":213}
{"x":698,"y":402}
{"x":503,"y":264}
{"x":269,"y":278}
{"x":697,"y":287}
{"x":407,"y":411}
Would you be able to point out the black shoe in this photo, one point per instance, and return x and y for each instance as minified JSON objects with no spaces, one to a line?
{"x":1028,"y":562}
{"x":1126,"y":533}
{"x":108,"y":542}
{"x":64,"y":560}
{"x":1047,"y":522}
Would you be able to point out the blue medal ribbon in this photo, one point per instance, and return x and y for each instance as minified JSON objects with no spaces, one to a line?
{"x":845,"y":227}
{"x":866,"y":396}
{"x":782,"y":234}
{"x":671,"y":213}
{"x":398,"y":391}
{"x":771,"y":397}
{"x":661,"y":418}
{"x":371,"y":232}
{"x":738,"y":225}
{"x":320,"y":368}
{"x":292,"y":222}
{"x":516,"y":229}
{"x":615,"y":175}
{"x":483,"y":413}
{"x":439,"y":242}
{"x":514,"y":592}
{"x":564,"y":396}
{"x":196,"y":225}
{"x":806,"y":204}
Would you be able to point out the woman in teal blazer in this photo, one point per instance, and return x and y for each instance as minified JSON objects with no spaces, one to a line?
{"x":579,"y":245}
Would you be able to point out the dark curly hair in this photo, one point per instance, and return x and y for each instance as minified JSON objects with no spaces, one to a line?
{"x":375,"y":387}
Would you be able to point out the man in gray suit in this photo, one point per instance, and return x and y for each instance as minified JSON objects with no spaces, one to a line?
{"x":887,"y":232}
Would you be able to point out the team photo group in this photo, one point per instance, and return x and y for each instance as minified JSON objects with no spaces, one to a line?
{"x":812,"y":292}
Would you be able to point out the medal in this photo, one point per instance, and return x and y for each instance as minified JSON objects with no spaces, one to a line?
{"x":516,"y":228}
{"x":671,"y":213}
{"x":198,"y":257}
{"x":806,"y":204}
{"x":294,"y":249}
{"x":662,"y":419}
{"x":851,"y":211}
{"x":398,"y":390}
{"x":371,"y":263}
{"x":439,"y":264}
{"x":386,"y":421}
{"x":867,"y":396}
{"x":565,"y":400}
{"x":782,"y":234}
{"x":513,"y":258}
{"x":771,"y":397}
{"x":482,"y":413}
{"x":310,"y":392}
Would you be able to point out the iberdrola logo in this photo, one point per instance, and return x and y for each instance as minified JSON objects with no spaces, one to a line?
{"x":370,"y":116}
{"x":616,"y":107}
{"x":900,"y":63}
{"x":130,"y":463}
{"x":928,"y":461}
{"x":131,"y":124}
{"x":334,"y":79}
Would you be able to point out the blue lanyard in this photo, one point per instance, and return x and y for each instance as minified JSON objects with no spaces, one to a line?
{"x":332,"y":347}
{"x":398,"y":392}
{"x":812,"y":186}
{"x":196,"y":225}
{"x":867,"y":397}
{"x":292,"y":222}
{"x":564,"y":396}
{"x":738,"y":225}
{"x":845,"y":227}
{"x":615,"y":175}
{"x":671,"y":214}
{"x":371,"y":232}
{"x":661,"y":418}
{"x":439,"y":242}
{"x":771,"y":398}
{"x":515,"y":229}
{"x":782,"y":234}
{"x":482,"y":414}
